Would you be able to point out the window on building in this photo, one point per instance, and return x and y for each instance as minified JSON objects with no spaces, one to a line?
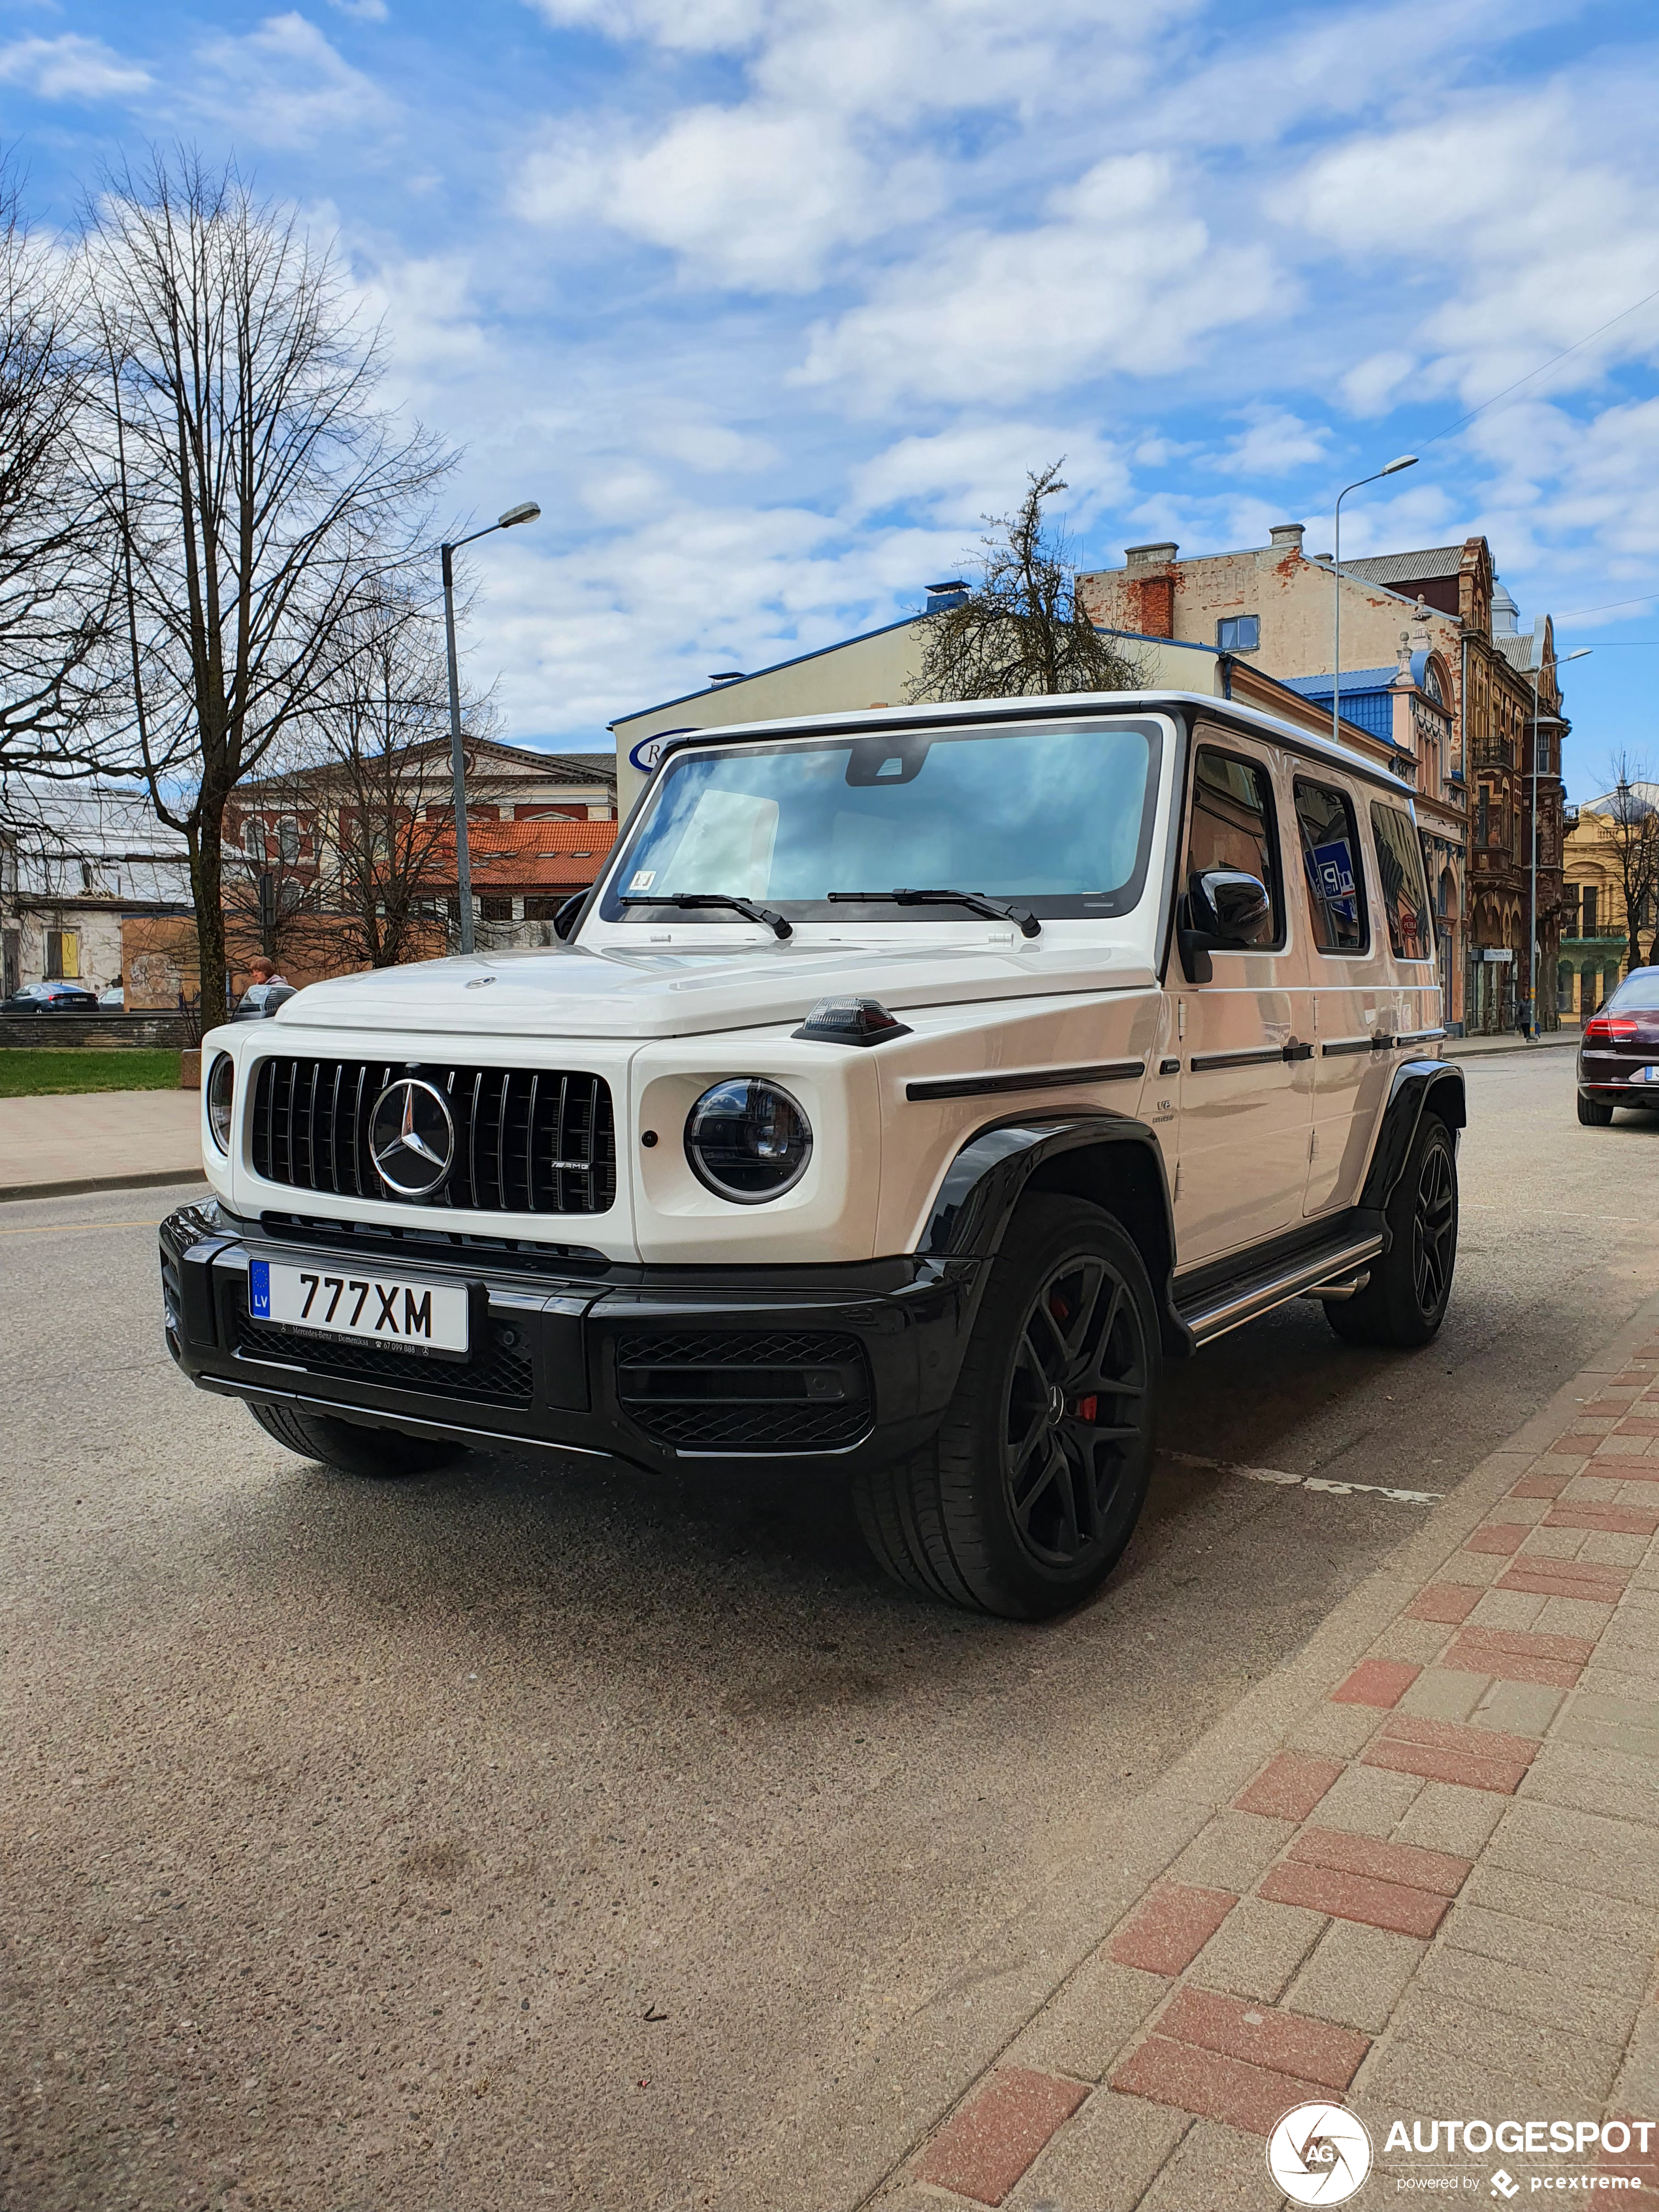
{"x":1591,"y":900}
{"x":1570,"y":910}
{"x":1405,"y":900}
{"x":1330,"y":858}
{"x":1232,"y":827}
{"x":1238,"y":633}
{"x":253,"y":839}
{"x":495,"y":909}
{"x":288,"y":840}
{"x":1483,"y":815}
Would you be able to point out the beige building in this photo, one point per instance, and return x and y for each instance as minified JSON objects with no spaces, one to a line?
{"x":1598,"y":943}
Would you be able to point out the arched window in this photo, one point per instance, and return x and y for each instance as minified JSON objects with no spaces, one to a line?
{"x":253,"y":839}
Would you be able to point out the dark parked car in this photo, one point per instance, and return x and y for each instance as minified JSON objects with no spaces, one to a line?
{"x":1619,"y":1053}
{"x":54,"y":998}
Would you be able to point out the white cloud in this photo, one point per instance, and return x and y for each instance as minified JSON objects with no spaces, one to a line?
{"x":365,"y":11}
{"x":751,"y":198}
{"x":70,"y":68}
{"x":960,"y":475}
{"x":286,"y":85}
{"x":704,"y":26}
{"x":1125,"y":276}
{"x":1556,"y":229}
{"x":1275,"y":443}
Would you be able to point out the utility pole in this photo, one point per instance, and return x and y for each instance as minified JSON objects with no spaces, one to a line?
{"x":1401,"y":461}
{"x":1583,"y":653}
{"x":527,"y":512}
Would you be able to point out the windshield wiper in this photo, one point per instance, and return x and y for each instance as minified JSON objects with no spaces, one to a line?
{"x":976,"y":901}
{"x":746,"y":908}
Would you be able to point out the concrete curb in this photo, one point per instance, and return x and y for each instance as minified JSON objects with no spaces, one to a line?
{"x":11,"y":1192}
{"x":1494,"y":1048}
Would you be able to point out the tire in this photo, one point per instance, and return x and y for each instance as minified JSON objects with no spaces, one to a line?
{"x":1405,"y":1302}
{"x":379,"y":1454}
{"x":1026,"y":1498}
{"x":1594,"y":1113}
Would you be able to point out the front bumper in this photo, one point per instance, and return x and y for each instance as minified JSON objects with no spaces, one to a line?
{"x":664,"y":1366}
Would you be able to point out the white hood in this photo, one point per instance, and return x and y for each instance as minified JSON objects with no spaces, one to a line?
{"x":573,"y":992}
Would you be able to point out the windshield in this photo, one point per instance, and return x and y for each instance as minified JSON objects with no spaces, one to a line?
{"x":1058,"y":817}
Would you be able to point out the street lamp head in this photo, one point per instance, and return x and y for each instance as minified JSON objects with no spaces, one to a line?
{"x":1400,"y":461}
{"x":526,"y":511}
{"x":1583,"y":653}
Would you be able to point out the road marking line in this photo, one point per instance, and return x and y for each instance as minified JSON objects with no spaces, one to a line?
{"x":1309,"y":1481}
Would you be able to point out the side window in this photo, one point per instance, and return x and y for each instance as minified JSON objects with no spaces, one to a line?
{"x":1330,"y":859}
{"x":1404,"y":901}
{"x":1232,"y":827}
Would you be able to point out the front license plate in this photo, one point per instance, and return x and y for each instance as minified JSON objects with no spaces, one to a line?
{"x":415,"y":1316}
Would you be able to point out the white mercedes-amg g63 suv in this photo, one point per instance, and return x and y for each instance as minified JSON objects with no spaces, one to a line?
{"x":910,"y":1086}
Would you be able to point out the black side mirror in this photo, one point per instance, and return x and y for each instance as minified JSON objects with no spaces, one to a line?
{"x":1229,"y":905}
{"x":568,"y":915}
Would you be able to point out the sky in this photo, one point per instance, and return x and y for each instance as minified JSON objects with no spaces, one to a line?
{"x":768,"y":302}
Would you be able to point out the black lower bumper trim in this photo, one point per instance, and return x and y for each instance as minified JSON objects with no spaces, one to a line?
{"x":656,"y":1365}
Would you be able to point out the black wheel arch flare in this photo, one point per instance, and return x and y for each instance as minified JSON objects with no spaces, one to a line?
{"x":1113,"y":1160}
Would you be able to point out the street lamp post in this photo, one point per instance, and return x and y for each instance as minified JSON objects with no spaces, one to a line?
{"x":526,"y":511}
{"x":1401,"y":461}
{"x":1583,"y":653}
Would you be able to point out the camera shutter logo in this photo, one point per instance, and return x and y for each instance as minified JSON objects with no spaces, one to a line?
{"x":412,"y":1138}
{"x":1320,"y":2153}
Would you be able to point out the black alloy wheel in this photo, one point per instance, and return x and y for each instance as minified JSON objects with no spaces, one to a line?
{"x":1405,"y":1301}
{"x":1434,"y":1232}
{"x":1074,"y":1412}
{"x":1025,"y":1498}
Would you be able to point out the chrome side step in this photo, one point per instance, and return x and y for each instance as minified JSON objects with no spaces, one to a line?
{"x":1338,"y":1267}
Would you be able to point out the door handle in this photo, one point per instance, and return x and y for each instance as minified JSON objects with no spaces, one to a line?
{"x":1295,"y":1051}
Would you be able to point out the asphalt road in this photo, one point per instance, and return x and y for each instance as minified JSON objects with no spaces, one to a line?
{"x":519,"y":1835}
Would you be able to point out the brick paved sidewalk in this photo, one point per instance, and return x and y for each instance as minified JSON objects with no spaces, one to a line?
{"x":1436,"y":1896}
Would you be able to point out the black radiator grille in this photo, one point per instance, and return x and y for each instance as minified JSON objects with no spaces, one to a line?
{"x":493,"y":1375}
{"x":527,"y":1141}
{"x":781,"y":1390}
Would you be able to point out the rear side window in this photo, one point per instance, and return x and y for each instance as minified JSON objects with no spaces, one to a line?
{"x":1404,"y":901}
{"x":1637,"y":995}
{"x":1232,"y":827}
{"x":1330,"y":861}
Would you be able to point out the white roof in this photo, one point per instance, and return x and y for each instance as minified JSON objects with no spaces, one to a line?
{"x":1047,"y":706}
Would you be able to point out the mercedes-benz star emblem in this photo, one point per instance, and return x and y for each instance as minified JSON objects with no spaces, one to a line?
{"x":412,"y":1138}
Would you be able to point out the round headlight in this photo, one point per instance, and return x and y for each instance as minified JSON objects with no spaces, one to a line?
{"x":221,"y":1096}
{"x":748,"y":1139}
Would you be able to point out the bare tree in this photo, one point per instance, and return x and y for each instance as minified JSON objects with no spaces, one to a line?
{"x":384,"y":733}
{"x":1022,"y":628}
{"x":56,"y":580}
{"x":251,"y":482}
{"x":1631,"y":836}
